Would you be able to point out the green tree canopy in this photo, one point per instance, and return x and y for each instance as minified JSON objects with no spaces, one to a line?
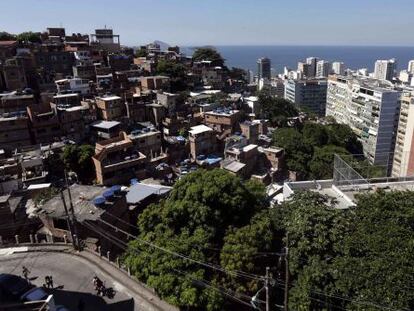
{"x":298,"y":153}
{"x":277,"y":110}
{"x":5,"y":36}
{"x":171,"y":68}
{"x":141,"y":53}
{"x":32,"y":37}
{"x":343,"y":136}
{"x":208,"y":54}
{"x":377,"y":264}
{"x":79,"y":159}
{"x":310,"y":150}
{"x":321,"y":165}
{"x":201,"y":210}
{"x":356,"y":259}
{"x":315,"y":134}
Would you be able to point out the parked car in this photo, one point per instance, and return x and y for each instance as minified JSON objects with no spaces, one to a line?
{"x":12,"y":286}
{"x":34,"y":294}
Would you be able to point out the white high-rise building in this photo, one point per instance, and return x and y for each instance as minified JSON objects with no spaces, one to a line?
{"x":363,"y":72}
{"x":385,"y":69}
{"x":323,"y":69}
{"x":370,"y":107}
{"x":338,"y":68}
{"x":411,"y":67}
{"x":405,"y":77}
{"x":403,"y":164}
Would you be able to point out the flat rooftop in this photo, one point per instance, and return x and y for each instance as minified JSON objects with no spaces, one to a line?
{"x":82,"y":197}
{"x":109,"y":98}
{"x":346,"y":195}
{"x":106,"y":125}
{"x":195,"y":130}
{"x":66,"y":95}
{"x":222,"y":112}
{"x":139,"y":192}
{"x":233,"y":166}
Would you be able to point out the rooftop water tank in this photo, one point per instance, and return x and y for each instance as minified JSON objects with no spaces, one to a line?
{"x":116,"y":189}
{"x":99,"y":202}
{"x":108,"y":194}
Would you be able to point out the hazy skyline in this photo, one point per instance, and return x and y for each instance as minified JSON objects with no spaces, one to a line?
{"x":223,"y":22}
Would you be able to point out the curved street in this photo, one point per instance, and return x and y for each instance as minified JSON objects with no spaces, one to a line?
{"x":72,"y":276}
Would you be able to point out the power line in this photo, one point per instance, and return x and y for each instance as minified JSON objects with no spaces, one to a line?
{"x":207,"y":284}
{"x":208,"y":265}
{"x":344,"y":298}
{"x":123,"y":246}
{"x":207,"y":248}
{"x":241,"y":273}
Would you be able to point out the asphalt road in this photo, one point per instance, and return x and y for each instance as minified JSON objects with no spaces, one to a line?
{"x":72,"y":280}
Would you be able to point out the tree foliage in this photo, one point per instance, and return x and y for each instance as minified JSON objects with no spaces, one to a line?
{"x":321,"y":164}
{"x":204,"y":211}
{"x":277,"y":110}
{"x":310,"y":150}
{"x":171,"y":68}
{"x":29,"y":37}
{"x":343,"y":136}
{"x":357,"y":259}
{"x":353,"y":259}
{"x":79,"y":160}
{"x":176,"y":71}
{"x":5,"y":36}
{"x":298,"y":152}
{"x":55,"y":167}
{"x":208,"y":54}
{"x":141,"y":53}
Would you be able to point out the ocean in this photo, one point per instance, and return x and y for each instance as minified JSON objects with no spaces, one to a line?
{"x":354,"y":57}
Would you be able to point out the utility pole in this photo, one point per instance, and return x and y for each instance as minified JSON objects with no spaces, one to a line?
{"x":68,"y":219}
{"x":286,"y":302}
{"x":267,"y":289}
{"x":72,"y":211}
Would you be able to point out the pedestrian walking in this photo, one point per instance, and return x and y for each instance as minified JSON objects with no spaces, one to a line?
{"x":50,"y":281}
{"x":47,"y":281}
{"x":26,"y":273}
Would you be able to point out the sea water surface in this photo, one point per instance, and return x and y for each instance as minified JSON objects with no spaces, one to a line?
{"x":354,"y":57}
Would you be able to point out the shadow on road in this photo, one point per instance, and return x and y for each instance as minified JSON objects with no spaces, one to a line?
{"x":91,"y":302}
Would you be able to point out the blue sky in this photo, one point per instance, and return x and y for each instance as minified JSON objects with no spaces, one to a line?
{"x":223,"y":22}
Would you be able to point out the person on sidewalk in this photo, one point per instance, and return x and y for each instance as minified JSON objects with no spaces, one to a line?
{"x":47,"y":281}
{"x":50,"y":281}
{"x":26,"y":273}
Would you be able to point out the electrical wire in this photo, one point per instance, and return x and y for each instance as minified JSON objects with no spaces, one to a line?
{"x":123,"y":246}
{"x":208,"y":265}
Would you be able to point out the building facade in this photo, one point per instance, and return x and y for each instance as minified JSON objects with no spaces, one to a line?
{"x":323,"y":69}
{"x":385,"y":69}
{"x":403,"y":164}
{"x":307,"y":94}
{"x":370,"y":107}
{"x":202,"y":141}
{"x":264,"y":68}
